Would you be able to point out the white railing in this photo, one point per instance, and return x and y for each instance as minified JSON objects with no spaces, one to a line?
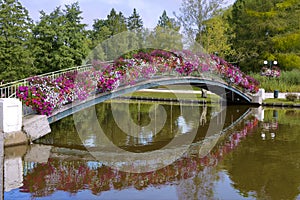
{"x":8,"y":90}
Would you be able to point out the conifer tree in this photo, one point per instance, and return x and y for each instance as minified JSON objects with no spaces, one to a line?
{"x":116,"y":22}
{"x":134,"y":21}
{"x":60,"y":39}
{"x":16,"y":60}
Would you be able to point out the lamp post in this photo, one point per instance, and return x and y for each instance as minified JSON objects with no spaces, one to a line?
{"x":266,"y":62}
{"x":276,"y":92}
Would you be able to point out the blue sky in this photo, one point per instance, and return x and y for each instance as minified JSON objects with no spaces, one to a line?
{"x":149,"y":10}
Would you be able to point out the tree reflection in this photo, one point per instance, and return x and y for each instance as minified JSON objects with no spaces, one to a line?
{"x":194,"y":175}
{"x":269,"y":168}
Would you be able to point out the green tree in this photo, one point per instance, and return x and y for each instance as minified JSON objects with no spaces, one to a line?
{"x":164,"y":38}
{"x":134,"y":21}
{"x":215,"y":35}
{"x":76,"y":35}
{"x":193,"y":13}
{"x":265,"y":30}
{"x":286,"y":44}
{"x":97,"y":35}
{"x":165,"y":35}
{"x":60,"y":39}
{"x":167,"y":22}
{"x":100,"y":32}
{"x":135,"y":26}
{"x":16,"y":60}
{"x":116,"y":22}
{"x":110,"y":38}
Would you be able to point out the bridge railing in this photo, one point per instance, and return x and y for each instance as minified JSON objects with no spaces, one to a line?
{"x":8,"y":90}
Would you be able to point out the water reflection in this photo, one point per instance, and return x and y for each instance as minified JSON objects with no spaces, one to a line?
{"x":269,"y":167}
{"x":241,"y":165}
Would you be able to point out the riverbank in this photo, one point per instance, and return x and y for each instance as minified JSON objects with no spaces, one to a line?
{"x":281,"y":101}
{"x":161,"y":94}
{"x":177,"y":95}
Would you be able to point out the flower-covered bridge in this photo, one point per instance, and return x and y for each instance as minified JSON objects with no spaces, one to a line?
{"x":49,"y":95}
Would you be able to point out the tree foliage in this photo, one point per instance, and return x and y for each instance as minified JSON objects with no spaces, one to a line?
{"x":166,"y":34}
{"x":16,"y":60}
{"x":167,"y":22}
{"x":215,"y":35}
{"x":116,"y":22}
{"x":193,"y":13}
{"x":134,"y":21}
{"x":266,"y":30}
{"x":247,"y":33}
{"x":60,"y":39}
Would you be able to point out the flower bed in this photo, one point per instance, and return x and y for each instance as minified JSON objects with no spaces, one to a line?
{"x":273,"y":72}
{"x":45,"y":95}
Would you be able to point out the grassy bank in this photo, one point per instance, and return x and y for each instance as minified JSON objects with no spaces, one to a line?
{"x":289,"y":81}
{"x":279,"y":100}
{"x":181,"y":96}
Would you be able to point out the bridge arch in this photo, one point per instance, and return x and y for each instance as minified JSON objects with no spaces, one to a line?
{"x":228,"y":93}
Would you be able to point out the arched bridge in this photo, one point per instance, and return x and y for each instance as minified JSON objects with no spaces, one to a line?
{"x":229,"y":94}
{"x":54,"y":95}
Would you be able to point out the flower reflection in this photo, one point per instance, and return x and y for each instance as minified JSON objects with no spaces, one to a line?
{"x":76,"y":175}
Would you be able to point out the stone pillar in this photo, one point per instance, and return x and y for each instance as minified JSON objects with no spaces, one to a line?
{"x":10,"y":115}
{"x":11,"y":121}
{"x":261,"y":93}
{"x":1,"y":165}
{"x":259,"y":96}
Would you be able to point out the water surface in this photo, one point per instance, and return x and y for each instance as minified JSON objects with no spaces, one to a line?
{"x":255,"y":155}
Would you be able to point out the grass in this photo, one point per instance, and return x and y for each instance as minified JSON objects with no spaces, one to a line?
{"x":169,"y":95}
{"x":289,"y":81}
{"x":280,"y":100}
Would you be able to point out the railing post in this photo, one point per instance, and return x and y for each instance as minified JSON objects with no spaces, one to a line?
{"x":10,"y":115}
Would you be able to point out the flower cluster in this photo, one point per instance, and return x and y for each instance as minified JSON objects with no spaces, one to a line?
{"x":274,"y":72}
{"x":44,"y":94}
{"x":186,"y":69}
{"x":233,"y":75}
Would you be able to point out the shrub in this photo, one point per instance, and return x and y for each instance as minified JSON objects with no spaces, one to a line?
{"x":291,"y":97}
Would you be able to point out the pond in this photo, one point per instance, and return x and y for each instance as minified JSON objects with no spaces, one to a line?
{"x":154,"y":150}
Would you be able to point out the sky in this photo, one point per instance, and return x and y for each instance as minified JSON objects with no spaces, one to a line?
{"x":149,"y":10}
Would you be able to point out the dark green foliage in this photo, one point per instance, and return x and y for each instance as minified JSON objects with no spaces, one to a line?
{"x":134,"y":21}
{"x":103,"y":29}
{"x":116,"y":22}
{"x":16,"y":61}
{"x":60,"y":39}
{"x":167,"y":22}
{"x":248,"y":33}
{"x":266,"y":30}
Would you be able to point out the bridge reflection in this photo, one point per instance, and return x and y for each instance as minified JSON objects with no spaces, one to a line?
{"x":42,"y":169}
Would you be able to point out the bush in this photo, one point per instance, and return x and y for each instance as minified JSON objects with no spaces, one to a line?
{"x":291,"y":97}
